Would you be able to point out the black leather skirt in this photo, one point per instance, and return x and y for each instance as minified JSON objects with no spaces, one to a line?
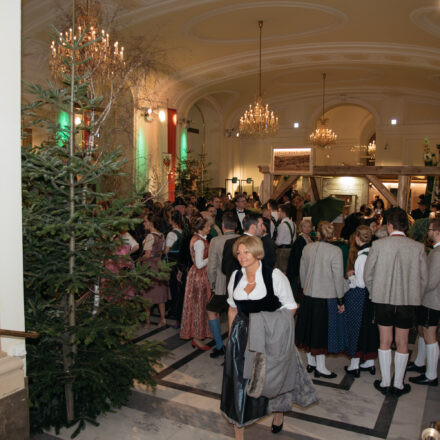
{"x":236,"y":405}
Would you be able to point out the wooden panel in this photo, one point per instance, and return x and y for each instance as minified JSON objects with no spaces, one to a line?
{"x":315,"y":190}
{"x":403,"y":191}
{"x":383,"y":190}
{"x":284,"y":186}
{"x":375,"y":171}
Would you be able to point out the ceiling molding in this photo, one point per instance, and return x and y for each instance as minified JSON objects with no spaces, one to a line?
{"x":339,"y":19}
{"x":421,"y":17}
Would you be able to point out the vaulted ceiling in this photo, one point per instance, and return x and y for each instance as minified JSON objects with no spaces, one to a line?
{"x":372,"y":46}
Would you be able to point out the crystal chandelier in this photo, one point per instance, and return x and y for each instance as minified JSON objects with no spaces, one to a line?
{"x":97,"y":55}
{"x":323,"y":136}
{"x":258,"y":120}
{"x":369,"y":149}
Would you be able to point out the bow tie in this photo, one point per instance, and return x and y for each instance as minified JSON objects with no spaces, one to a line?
{"x":240,"y":212}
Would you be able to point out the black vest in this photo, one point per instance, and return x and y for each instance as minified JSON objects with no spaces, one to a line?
{"x":269,"y":303}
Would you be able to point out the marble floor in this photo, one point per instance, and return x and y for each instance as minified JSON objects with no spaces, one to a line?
{"x":185,"y":405}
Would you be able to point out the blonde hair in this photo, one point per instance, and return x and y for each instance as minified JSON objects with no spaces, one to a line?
{"x":326,"y":230}
{"x":253,"y":244}
{"x":364,"y":233}
{"x":303,"y":222}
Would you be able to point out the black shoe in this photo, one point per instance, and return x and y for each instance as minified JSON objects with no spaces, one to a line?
{"x":413,"y":367}
{"x":383,"y":390}
{"x":216,"y":353}
{"x":310,"y":368}
{"x":372,"y":369}
{"x":397,"y":392}
{"x":355,"y":373}
{"x":423,"y":380}
{"x":277,"y":428}
{"x":326,"y":376}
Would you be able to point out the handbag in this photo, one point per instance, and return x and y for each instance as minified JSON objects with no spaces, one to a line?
{"x":217,"y":303}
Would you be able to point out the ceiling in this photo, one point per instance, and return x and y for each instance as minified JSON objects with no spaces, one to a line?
{"x":372,"y":46}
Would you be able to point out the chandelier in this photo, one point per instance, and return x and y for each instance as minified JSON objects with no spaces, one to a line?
{"x":323,"y":136}
{"x":369,"y":150}
{"x":258,"y":120}
{"x":96,"y":54}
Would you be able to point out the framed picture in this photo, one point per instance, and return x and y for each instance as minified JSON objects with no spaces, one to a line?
{"x":292,"y":161}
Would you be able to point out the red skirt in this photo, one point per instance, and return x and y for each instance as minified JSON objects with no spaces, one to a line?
{"x":194,"y":322}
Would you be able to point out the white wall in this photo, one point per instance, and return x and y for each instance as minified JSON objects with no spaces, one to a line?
{"x":11,"y":257}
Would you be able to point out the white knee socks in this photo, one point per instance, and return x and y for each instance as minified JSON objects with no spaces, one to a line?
{"x":385,"y":367}
{"x":368,"y":364}
{"x":311,"y":360}
{"x":320,"y":364}
{"x":421,"y":352}
{"x":354,"y":364}
{"x":432,"y":352}
{"x":400,"y":361}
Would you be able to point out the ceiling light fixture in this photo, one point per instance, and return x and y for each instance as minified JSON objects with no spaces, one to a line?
{"x":96,"y":55}
{"x":258,"y":121}
{"x":323,"y":136}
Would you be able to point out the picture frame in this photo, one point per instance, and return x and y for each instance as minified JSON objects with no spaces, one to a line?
{"x":292,"y":161}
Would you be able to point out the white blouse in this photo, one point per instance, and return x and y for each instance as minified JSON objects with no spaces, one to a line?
{"x":127,"y":238}
{"x":199,"y":248}
{"x":171,"y":238}
{"x":147,"y":245}
{"x":281,"y":287}
{"x":357,"y":280}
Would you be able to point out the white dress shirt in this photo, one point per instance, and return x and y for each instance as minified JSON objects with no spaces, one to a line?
{"x":281,"y":287}
{"x":199,"y":248}
{"x":284,"y":236}
{"x":241,"y":216}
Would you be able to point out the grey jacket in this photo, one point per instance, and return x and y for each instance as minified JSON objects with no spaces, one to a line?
{"x":431,"y":298}
{"x":217,"y":279}
{"x":321,"y":270}
{"x":396,"y":272}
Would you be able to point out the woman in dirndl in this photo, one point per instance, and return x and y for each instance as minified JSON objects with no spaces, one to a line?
{"x":319,"y":328}
{"x":254,"y":289}
{"x":153,"y":246}
{"x":362,"y":333}
{"x":194,"y":324}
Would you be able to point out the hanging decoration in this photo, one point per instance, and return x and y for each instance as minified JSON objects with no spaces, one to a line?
{"x":323,"y":136}
{"x":258,"y":120}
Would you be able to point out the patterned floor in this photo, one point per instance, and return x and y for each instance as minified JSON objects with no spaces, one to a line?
{"x":185,"y":405}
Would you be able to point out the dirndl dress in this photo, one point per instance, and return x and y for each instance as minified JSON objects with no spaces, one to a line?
{"x":194,"y":322}
{"x":160,"y":292}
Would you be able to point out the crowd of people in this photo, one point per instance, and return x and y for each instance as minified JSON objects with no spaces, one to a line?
{"x":356,"y":295}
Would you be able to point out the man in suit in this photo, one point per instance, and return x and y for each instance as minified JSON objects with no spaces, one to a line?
{"x":253,"y":225}
{"x":428,"y":316}
{"x":217,"y":279}
{"x":395,"y":275}
{"x":240,"y":212}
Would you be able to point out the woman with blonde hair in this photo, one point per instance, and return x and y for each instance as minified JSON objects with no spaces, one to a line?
{"x":253,"y":291}
{"x":322,"y":279}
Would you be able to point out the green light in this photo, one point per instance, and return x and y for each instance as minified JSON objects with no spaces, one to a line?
{"x":183,"y":148}
{"x":141,"y":160}
{"x":63,"y":134}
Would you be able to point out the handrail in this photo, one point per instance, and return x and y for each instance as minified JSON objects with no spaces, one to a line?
{"x":19,"y":334}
